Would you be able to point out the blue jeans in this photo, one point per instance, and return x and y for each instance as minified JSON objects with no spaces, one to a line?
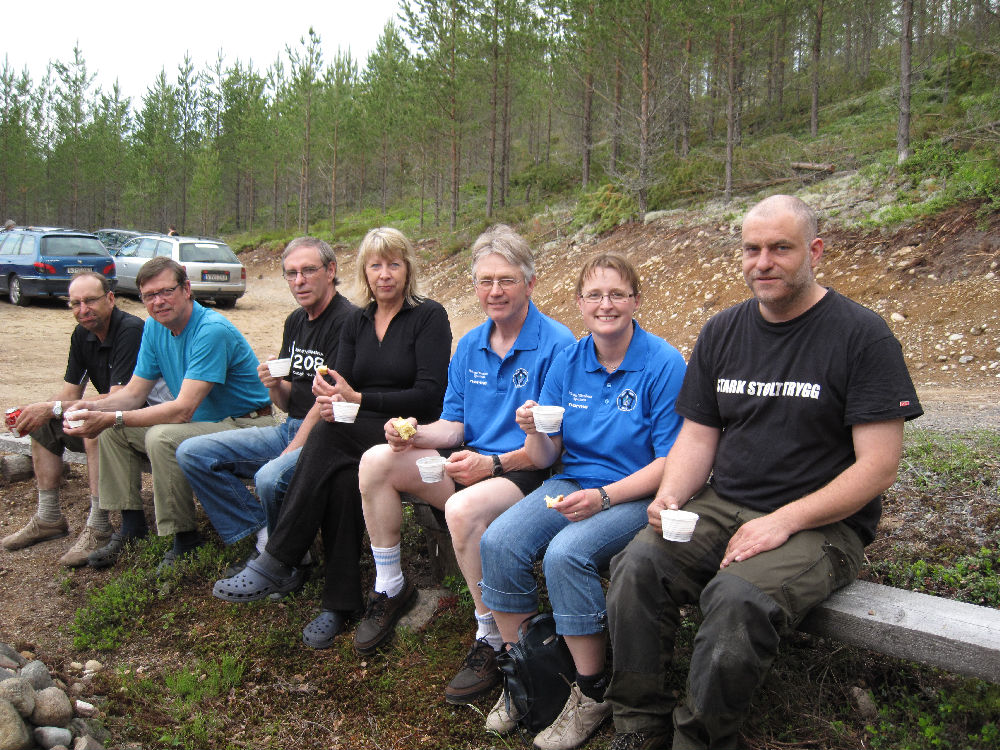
{"x":216,"y":465}
{"x":574,"y":554}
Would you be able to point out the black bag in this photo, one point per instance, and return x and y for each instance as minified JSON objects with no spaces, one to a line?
{"x":537,"y":673}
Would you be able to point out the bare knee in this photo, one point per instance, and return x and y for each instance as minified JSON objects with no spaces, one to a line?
{"x":373,"y":470}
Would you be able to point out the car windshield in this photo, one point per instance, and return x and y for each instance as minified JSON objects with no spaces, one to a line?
{"x":206,"y":252}
{"x":71,"y":247}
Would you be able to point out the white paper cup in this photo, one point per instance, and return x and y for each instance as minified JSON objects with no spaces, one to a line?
{"x":345,"y":411}
{"x":548,"y":419}
{"x":279,"y":368}
{"x":431,"y":468}
{"x":678,"y":525}
{"x":71,"y":419}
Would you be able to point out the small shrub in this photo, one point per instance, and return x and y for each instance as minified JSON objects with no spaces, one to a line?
{"x":606,"y":208}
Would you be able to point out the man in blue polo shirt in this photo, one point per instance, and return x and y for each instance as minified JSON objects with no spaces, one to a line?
{"x":206,"y":362}
{"x":496,"y":367}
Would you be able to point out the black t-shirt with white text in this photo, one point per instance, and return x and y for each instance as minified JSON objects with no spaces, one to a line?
{"x":311,"y":343}
{"x":787,"y":394}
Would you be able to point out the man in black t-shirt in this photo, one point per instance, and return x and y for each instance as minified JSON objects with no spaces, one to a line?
{"x":215,"y":465}
{"x":103,"y":350}
{"x":793,"y":406}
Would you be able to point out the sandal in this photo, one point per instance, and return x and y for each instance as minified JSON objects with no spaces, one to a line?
{"x":254,"y":583}
{"x":320,"y":632}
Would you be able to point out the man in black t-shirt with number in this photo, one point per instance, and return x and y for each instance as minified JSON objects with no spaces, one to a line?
{"x":216,"y":465}
{"x":793,"y":406}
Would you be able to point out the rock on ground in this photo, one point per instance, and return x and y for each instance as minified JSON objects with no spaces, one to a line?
{"x":13,"y":731}
{"x":52,"y":709}
{"x":20,"y":693}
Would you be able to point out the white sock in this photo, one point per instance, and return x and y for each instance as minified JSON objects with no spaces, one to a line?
{"x":98,"y":518}
{"x":486,"y":627}
{"x":48,"y":505}
{"x":388,"y":571}
{"x":261,"y":538}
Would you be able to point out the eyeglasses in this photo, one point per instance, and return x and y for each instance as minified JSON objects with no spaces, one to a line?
{"x":162,"y":294}
{"x":76,"y":304}
{"x":307,"y":273}
{"x":487,"y":284}
{"x":595,"y":298}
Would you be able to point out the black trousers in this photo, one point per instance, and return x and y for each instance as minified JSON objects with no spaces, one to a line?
{"x":323,"y":495}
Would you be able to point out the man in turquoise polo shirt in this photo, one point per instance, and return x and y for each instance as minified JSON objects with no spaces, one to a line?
{"x":496,"y":367}
{"x":206,"y":361}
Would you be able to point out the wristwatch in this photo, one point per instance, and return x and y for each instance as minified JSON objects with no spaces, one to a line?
{"x":497,"y":466}
{"x":119,"y":420}
{"x":605,"y":500}
{"x":57,"y":409}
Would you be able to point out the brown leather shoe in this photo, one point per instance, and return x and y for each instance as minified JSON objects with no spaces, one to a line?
{"x":89,"y":540}
{"x":478,"y":676}
{"x":379,"y":621}
{"x":35,"y":531}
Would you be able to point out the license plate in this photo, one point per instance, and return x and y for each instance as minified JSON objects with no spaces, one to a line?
{"x":206,"y":276}
{"x":73,"y":270}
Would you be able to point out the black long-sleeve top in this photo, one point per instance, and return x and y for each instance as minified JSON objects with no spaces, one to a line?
{"x":406,"y":373}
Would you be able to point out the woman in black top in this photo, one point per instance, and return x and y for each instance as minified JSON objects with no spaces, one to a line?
{"x":392,"y":360}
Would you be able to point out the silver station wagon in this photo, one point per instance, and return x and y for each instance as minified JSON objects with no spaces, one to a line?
{"x":213,"y":268}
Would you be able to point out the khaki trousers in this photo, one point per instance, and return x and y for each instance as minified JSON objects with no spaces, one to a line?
{"x":122,"y":454}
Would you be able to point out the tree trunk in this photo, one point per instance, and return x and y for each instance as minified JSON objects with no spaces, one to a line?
{"x":333,"y":177}
{"x":816,"y":51}
{"x":730,"y":110}
{"x":588,"y":126}
{"x":905,"y":35}
{"x":616,"y":122}
{"x":686,"y":99}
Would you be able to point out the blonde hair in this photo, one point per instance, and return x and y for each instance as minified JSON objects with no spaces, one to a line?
{"x":390,"y":244}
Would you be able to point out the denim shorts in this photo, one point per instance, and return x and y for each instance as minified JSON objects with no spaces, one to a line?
{"x":574,"y":553}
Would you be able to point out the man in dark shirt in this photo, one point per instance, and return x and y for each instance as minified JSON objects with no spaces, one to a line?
{"x":215,"y":465}
{"x":103,"y":350}
{"x":793,"y":406}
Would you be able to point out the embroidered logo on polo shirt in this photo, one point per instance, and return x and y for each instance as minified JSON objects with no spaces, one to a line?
{"x":627,"y":400}
{"x":520,"y":377}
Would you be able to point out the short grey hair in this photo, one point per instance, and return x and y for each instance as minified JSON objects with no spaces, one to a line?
{"x":502,"y":240}
{"x":326,"y":253}
{"x":802,"y":211}
{"x":101,"y":279}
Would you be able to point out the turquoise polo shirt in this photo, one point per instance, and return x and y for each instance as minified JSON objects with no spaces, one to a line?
{"x":615,"y":423}
{"x":212,"y":349}
{"x":484,"y":390}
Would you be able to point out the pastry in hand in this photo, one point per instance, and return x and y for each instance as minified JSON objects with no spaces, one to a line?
{"x":551,"y":502}
{"x":404,"y":428}
{"x":322,"y":370}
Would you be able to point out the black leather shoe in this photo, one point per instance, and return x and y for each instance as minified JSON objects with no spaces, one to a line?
{"x":379,"y":621}
{"x":477,"y":677}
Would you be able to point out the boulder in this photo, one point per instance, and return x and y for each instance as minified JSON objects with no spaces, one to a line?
{"x":49,"y":737}
{"x":36,"y":673}
{"x":52,"y":708}
{"x":20,"y":694}
{"x":6,"y":674}
{"x":87,"y":743}
{"x":14,"y":733}
{"x":9,"y":653}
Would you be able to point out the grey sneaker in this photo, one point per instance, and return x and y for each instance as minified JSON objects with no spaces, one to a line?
{"x":580,"y":718}
{"x":108,"y":555}
{"x":499,"y":719}
{"x":642,"y":741}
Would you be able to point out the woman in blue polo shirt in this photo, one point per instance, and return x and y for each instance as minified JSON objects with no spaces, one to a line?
{"x":618,"y":387}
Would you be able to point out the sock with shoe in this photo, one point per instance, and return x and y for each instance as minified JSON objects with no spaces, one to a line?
{"x":47,"y":523}
{"x":95,"y":535}
{"x":388,"y":570}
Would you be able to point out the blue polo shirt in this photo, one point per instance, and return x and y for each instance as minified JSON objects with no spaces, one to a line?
{"x":212,"y":349}
{"x":615,"y":423}
{"x":484,"y":391}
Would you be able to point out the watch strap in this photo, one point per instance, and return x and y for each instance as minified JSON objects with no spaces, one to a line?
{"x":119,"y":420}
{"x":57,"y":409}
{"x":497,"y":466}
{"x":605,"y":500}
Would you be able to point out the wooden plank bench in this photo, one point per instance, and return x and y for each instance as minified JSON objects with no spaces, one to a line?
{"x":954,"y":636}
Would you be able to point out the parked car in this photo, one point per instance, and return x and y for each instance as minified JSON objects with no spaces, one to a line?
{"x":41,"y":261}
{"x":113,"y":239}
{"x":213,"y":268}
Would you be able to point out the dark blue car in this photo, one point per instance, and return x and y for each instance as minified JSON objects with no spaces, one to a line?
{"x":41,"y":261}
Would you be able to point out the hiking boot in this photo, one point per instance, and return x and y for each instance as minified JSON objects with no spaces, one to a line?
{"x":35,"y":531}
{"x":89,"y":540}
{"x":642,"y":741}
{"x":379,"y":621}
{"x":499,"y":719}
{"x":478,"y":676}
{"x":108,"y":555}
{"x":580,"y":718}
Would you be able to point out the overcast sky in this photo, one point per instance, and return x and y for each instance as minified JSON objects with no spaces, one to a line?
{"x":132,"y":41}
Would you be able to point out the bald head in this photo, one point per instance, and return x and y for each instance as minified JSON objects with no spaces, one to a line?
{"x":775,"y":205}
